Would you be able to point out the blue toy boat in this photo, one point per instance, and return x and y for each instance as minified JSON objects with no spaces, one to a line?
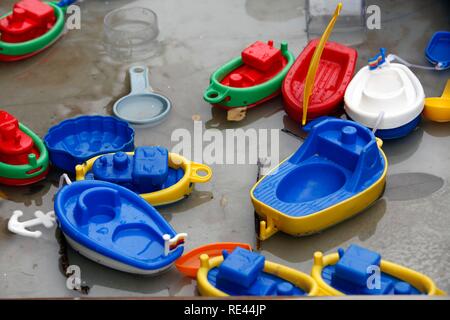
{"x":115,"y":227}
{"x":359,"y":271}
{"x":438,"y":50}
{"x":158,"y":176}
{"x":338,"y":171}
{"x":147,"y":170}
{"x":246,"y":273}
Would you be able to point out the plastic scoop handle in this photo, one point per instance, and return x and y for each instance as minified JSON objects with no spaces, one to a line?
{"x":139,"y":80}
{"x":311,"y":75}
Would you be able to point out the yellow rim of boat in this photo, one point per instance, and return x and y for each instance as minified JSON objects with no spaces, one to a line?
{"x":169,"y":195}
{"x":319,"y":220}
{"x":417,"y":279}
{"x":299,"y":279}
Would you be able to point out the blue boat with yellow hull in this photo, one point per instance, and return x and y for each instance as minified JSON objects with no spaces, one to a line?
{"x":359,"y":271}
{"x":339,"y":171}
{"x":246,"y":273}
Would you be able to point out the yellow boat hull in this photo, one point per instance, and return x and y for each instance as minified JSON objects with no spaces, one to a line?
{"x":274,"y":220}
{"x":169,"y":195}
{"x":417,"y":279}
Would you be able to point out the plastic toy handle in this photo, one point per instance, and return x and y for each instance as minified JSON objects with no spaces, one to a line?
{"x":267,"y":229}
{"x":139,"y":80}
{"x":198,"y":167}
{"x":65,"y":3}
{"x":213,"y":96}
{"x":311,"y":75}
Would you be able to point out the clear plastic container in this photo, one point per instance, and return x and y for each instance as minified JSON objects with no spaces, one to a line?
{"x":350,"y":27}
{"x":131,"y":33}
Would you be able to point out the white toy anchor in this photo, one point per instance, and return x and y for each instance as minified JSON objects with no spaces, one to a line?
{"x":15,"y":226}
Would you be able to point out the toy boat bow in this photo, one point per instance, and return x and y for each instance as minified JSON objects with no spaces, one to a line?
{"x":246,"y":273}
{"x":160,"y":177}
{"x":337,"y":172}
{"x":115,"y":227}
{"x":359,"y":271}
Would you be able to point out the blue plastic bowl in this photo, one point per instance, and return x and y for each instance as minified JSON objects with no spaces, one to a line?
{"x":438,"y":49}
{"x":76,"y":140}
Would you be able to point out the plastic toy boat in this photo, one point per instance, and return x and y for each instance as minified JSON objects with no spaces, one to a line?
{"x":160,"y":177}
{"x":319,"y":77}
{"x":385,"y":96}
{"x":438,"y":50}
{"x":189,"y":263}
{"x":353,"y":272}
{"x":334,"y":73}
{"x":438,"y":109}
{"x":246,"y":273}
{"x":30,"y":28}
{"x":115,"y":227}
{"x":250,"y":79}
{"x":74,"y":141}
{"x":23,"y":156}
{"x":337,"y":172}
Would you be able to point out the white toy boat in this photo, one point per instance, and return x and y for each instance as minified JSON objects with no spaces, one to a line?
{"x":386,"y":97}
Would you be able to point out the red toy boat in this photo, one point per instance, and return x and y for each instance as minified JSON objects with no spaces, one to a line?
{"x":250,"y":79}
{"x":28,"y":20}
{"x":255,"y":71}
{"x":23,"y":157}
{"x":335,"y":71}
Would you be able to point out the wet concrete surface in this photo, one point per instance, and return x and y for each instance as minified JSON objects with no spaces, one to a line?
{"x":409,"y":225}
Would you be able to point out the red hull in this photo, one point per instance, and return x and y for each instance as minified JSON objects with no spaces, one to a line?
{"x":335,"y":71}
{"x":23,"y":182}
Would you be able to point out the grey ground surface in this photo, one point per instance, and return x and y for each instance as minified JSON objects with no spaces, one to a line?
{"x":410,"y":225}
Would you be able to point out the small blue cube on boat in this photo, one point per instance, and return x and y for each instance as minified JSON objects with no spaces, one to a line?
{"x":438,"y":49}
{"x":151,"y":165}
{"x":147,"y":170}
{"x":114,"y":226}
{"x":76,"y":140}
{"x":355,"y":265}
{"x":241,"y":267}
